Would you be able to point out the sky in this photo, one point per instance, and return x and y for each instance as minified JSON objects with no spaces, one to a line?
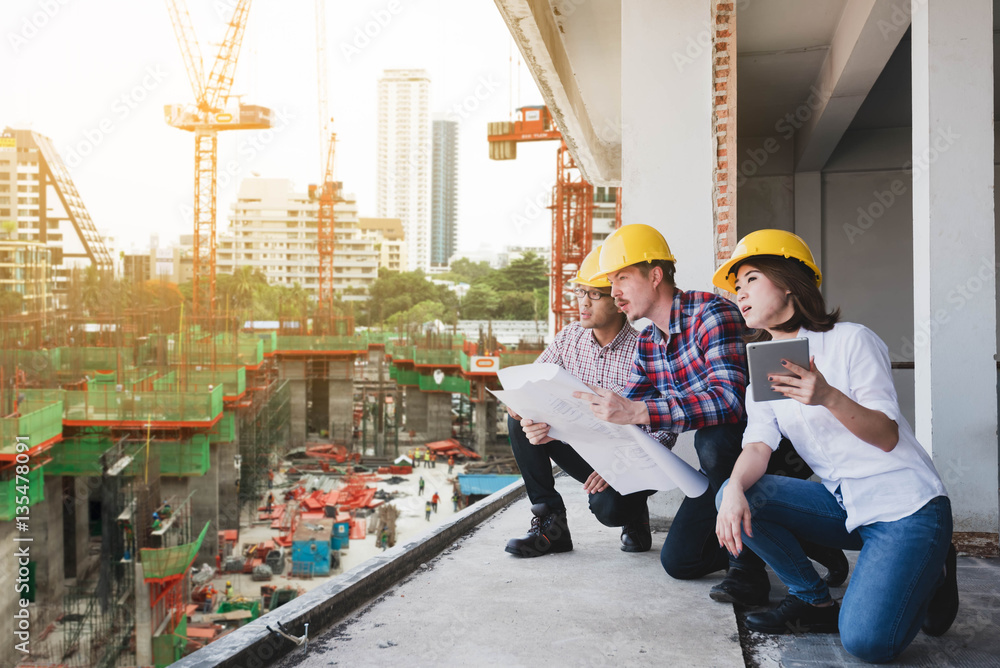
{"x":94,"y":76}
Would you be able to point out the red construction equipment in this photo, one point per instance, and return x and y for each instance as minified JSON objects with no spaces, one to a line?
{"x":572,"y":201}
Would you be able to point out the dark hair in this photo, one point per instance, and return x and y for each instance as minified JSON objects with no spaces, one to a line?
{"x":810,"y":307}
{"x":666,"y":265}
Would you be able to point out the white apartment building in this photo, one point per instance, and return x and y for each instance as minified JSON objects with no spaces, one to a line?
{"x":40,"y":203}
{"x":273,"y":229}
{"x":403,"y":181}
{"x":390,"y":242}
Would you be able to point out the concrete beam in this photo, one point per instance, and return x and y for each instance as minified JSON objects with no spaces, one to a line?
{"x":542,"y":37}
{"x":868,"y":33}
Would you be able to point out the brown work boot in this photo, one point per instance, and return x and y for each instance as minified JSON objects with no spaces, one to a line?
{"x":549,"y":532}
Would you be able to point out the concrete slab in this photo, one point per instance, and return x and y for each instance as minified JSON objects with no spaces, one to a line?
{"x":476,"y":605}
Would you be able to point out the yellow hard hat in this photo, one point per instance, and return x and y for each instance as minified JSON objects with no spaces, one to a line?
{"x":589,"y":273}
{"x":632,"y":244}
{"x":228,"y":583}
{"x":777,"y":243}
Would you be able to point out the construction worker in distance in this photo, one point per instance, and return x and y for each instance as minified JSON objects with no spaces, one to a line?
{"x":420,"y":487}
{"x":427,"y":459}
{"x":434,"y":501}
{"x":451,"y":463}
{"x":598,"y":349}
{"x":434,"y":459}
{"x":427,"y":511}
{"x":229,"y":590}
{"x":689,"y":374}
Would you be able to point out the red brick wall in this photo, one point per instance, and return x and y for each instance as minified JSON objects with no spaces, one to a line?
{"x":724,"y":120}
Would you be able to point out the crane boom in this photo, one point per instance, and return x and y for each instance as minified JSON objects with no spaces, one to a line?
{"x":190,"y":51}
{"x":220,"y":81}
{"x":329,"y":190}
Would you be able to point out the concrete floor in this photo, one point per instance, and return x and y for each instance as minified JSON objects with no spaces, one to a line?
{"x":476,"y":605}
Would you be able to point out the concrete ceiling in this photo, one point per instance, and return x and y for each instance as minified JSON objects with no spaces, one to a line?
{"x":787,"y":50}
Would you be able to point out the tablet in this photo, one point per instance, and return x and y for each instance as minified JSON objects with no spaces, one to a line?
{"x":765,"y":360}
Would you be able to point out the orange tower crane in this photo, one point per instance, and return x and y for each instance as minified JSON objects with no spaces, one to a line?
{"x":572,"y":201}
{"x":210,"y":114}
{"x":328,"y":191}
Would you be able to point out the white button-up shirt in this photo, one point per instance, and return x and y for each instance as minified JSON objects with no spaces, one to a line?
{"x":875,"y":486}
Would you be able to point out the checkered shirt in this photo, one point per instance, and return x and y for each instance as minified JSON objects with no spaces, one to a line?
{"x":575,"y":349}
{"x":696,"y":375}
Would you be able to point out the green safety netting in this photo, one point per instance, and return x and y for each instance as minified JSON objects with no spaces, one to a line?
{"x":170,"y":562}
{"x":224,"y":431}
{"x":108,"y":407}
{"x":437,"y":357}
{"x":447,"y":384}
{"x":40,"y":420}
{"x":341,"y":344}
{"x":407,"y":377}
{"x":514,"y":358}
{"x":270,"y":341}
{"x":183,"y":458}
{"x":79,"y":456}
{"x":232,"y":380}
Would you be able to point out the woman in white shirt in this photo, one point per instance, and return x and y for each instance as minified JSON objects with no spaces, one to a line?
{"x":879,"y":492}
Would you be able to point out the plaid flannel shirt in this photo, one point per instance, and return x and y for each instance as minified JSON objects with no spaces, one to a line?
{"x":696,"y":375}
{"x":575,"y":349}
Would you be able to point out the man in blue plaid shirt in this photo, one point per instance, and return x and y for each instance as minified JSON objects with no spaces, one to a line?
{"x":689,"y":374}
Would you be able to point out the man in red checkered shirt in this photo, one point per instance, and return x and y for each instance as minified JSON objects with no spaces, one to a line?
{"x":689,"y":375}
{"x":599,"y":350}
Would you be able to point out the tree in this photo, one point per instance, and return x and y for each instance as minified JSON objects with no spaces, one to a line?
{"x":481,"y":303}
{"x":524,"y":273}
{"x":468,"y":271}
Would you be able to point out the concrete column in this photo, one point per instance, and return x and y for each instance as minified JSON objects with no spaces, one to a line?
{"x":954,"y":261}
{"x":229,"y":502}
{"x":205,"y":505}
{"x":341,"y":409}
{"x":297,"y":422}
{"x":46,"y":527}
{"x":480,"y":433}
{"x":143,"y":619}
{"x":438,"y":416}
{"x":668,"y":139}
{"x":416,"y":410}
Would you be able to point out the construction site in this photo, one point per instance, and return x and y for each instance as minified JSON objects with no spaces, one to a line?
{"x":171,"y":469}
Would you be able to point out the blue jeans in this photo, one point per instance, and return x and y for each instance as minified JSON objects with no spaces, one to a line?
{"x":900,"y":566}
{"x":691,"y":549}
{"x":609,"y":507}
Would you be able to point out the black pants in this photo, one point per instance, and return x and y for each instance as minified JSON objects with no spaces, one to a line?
{"x":691,"y":549}
{"x":609,"y":507}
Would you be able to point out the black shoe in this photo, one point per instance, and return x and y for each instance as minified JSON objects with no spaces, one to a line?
{"x":832,"y":558}
{"x":742,"y":586}
{"x":943,"y":608}
{"x":549,"y":532}
{"x":793,"y":615}
{"x":636,"y":536}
